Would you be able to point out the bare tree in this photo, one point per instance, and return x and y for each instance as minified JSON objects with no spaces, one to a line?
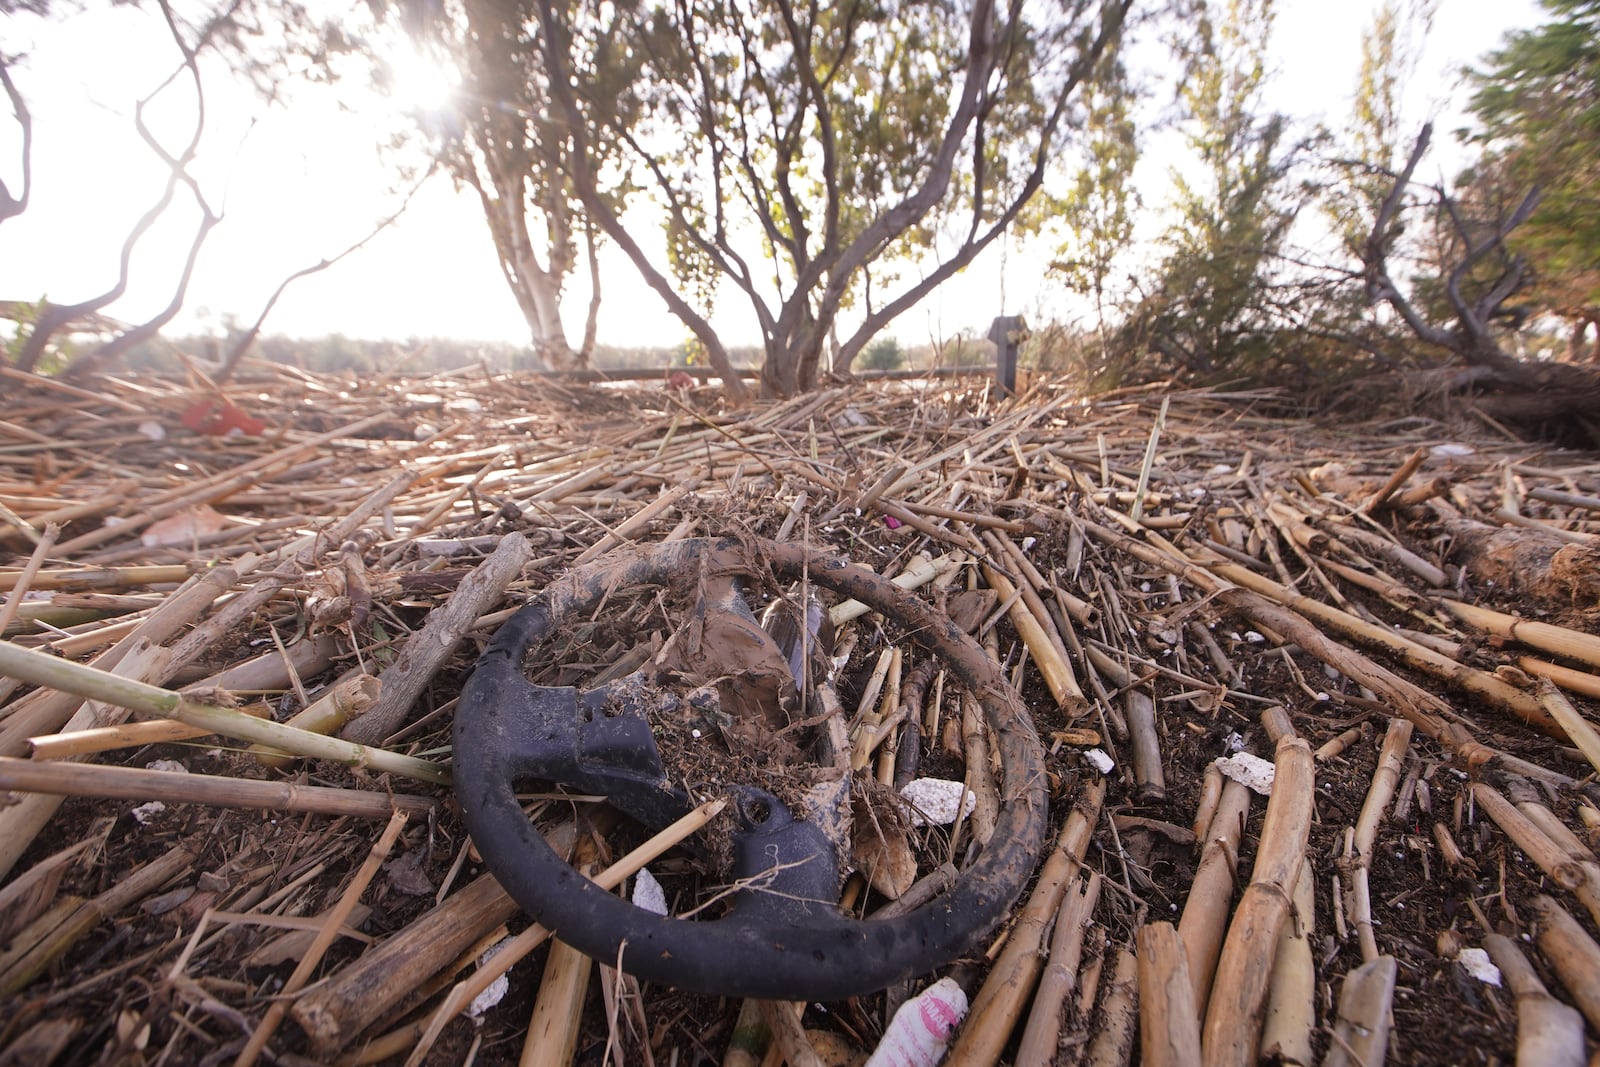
{"x":1471,"y":337}
{"x":51,"y":317}
{"x":13,"y":204}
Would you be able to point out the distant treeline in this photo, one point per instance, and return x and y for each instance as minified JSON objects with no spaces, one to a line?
{"x":336,"y":353}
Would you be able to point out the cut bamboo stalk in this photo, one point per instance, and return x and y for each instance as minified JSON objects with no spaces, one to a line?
{"x":1572,"y":721}
{"x":1573,"y":954}
{"x":1380,"y":498}
{"x":127,"y":735}
{"x":1335,"y":747}
{"x":1291,"y":1001}
{"x":918,"y":573}
{"x":334,"y":1013}
{"x":1381,"y":790}
{"x":1559,"y":640}
{"x":750,"y":1037}
{"x":1119,"y":1014}
{"x":1210,"y":796}
{"x":1056,"y":985}
{"x":331,"y":925}
{"x":426,"y":651}
{"x":462,"y":993}
{"x":131,"y":783}
{"x":557,"y":1021}
{"x":788,"y":1036}
{"x":1169,"y":1023}
{"x":1546,"y":854}
{"x":1204,"y":921}
{"x":1549,"y":1033}
{"x":1053,"y":666}
{"x":1238,"y":996}
{"x":92,"y":684}
{"x":25,"y":578}
{"x":1361,"y":1035}
{"x":1011,"y":980}
{"x":1581,"y":682}
{"x":350,"y":696}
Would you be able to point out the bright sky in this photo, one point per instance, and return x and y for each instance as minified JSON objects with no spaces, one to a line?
{"x":302,"y":185}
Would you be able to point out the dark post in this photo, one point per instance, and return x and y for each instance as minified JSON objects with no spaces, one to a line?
{"x":1008,"y":332}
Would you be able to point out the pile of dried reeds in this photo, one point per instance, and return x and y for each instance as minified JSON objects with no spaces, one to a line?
{"x":231,"y":663}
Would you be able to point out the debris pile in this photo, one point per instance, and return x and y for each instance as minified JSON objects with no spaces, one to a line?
{"x":1316,"y":703}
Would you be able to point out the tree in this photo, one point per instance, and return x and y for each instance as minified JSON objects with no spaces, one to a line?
{"x":883,"y":354}
{"x":1538,"y":105}
{"x":1097,"y":211}
{"x":794,"y":147}
{"x":1213,"y":302}
{"x":49,"y":318}
{"x":499,"y":137}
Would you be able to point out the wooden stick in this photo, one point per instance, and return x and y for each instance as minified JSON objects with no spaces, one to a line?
{"x":331,"y":925}
{"x":1169,"y":1023}
{"x":1238,"y":996}
{"x":1011,"y":980}
{"x":428,"y":649}
{"x":1045,"y":1018}
{"x":1549,"y":1033}
{"x":1580,"y":682}
{"x":789,"y":1040}
{"x":1361,"y":1035}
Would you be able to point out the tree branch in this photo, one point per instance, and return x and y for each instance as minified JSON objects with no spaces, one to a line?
{"x":13,"y":205}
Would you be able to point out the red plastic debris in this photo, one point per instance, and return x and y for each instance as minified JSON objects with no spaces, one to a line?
{"x":221,"y":418}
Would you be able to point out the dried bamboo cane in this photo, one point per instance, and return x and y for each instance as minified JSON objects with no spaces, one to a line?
{"x":1581,"y":682}
{"x":1573,"y":954}
{"x":335,"y":1012}
{"x":332,"y":923}
{"x":1119,"y":1014}
{"x":1549,"y":1033}
{"x":552,"y":1037}
{"x":92,"y":684}
{"x":1548,"y":856}
{"x":1572,"y":721}
{"x":1169,"y":1023}
{"x":462,"y":993}
{"x":1384,"y":779}
{"x":1011,"y":980}
{"x":1040,"y":1036}
{"x":1291,"y":1002}
{"x":1238,"y":996}
{"x":1205,"y":913}
{"x":1573,"y":644}
{"x":1210,"y":796}
{"x":787,"y":1033}
{"x":1361,"y":1035}
{"x":1054,"y":667}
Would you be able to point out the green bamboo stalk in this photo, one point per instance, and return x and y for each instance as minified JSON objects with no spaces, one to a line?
{"x":39,"y":668}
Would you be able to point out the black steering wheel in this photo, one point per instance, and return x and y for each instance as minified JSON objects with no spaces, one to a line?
{"x":787,"y":940}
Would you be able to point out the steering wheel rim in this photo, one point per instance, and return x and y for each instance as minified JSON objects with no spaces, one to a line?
{"x":793,"y":950}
